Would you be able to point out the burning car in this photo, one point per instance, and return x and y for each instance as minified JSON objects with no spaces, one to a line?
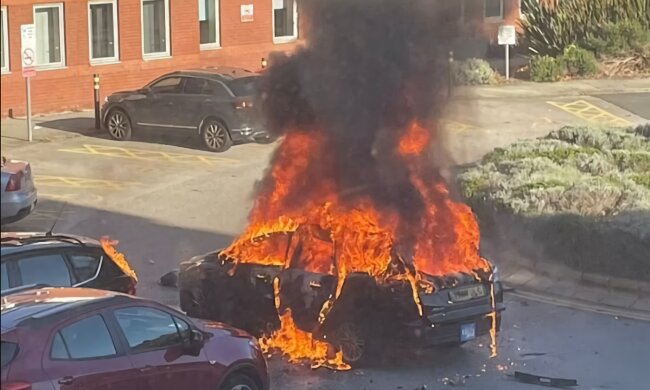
{"x":447,"y":309}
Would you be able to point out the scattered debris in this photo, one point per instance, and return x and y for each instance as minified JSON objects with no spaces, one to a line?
{"x":170,"y":279}
{"x":458,"y":380}
{"x":531,"y":354}
{"x":543,"y":380}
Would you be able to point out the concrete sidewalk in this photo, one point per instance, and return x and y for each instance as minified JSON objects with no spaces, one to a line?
{"x":558,"y":284}
{"x":47,"y":128}
{"x":518,"y":89}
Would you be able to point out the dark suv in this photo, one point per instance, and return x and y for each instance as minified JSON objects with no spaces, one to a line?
{"x":214,"y":103}
{"x":61,"y":260}
{"x":368,"y":314}
{"x":84,"y":339}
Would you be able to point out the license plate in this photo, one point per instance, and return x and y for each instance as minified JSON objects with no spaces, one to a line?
{"x":467,"y":332}
{"x":466,"y":293}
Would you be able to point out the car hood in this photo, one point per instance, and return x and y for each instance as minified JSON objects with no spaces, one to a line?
{"x":121,"y":95}
{"x":219,"y":329}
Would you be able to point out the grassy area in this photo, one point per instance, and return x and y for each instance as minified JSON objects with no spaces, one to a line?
{"x":580,"y":195}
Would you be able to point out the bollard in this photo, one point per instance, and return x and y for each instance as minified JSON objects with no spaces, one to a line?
{"x":98,"y":123}
{"x":451,"y":74}
{"x":264,"y":64}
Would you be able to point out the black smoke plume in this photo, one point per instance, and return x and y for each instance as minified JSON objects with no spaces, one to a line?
{"x":368,"y":69}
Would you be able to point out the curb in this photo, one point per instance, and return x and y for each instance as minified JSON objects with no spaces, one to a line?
{"x":574,"y":303}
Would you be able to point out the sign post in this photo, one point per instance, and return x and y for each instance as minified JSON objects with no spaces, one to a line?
{"x":28,"y":58}
{"x":507,"y":37}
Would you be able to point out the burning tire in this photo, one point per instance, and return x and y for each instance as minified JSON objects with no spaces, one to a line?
{"x":350,"y":338}
{"x":239,"y":382}
{"x":215,"y":135}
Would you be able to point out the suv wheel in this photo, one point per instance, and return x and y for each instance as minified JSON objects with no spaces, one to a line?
{"x":118,"y":125}
{"x":216,"y":136}
{"x":350,"y":338}
{"x":239,"y":382}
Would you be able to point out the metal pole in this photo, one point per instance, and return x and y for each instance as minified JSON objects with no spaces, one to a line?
{"x":451,"y":73}
{"x":507,"y":62}
{"x":98,"y":124}
{"x":28,"y":89}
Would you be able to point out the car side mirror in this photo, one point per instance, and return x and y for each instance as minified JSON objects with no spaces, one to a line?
{"x":144,"y":91}
{"x":196,"y":337}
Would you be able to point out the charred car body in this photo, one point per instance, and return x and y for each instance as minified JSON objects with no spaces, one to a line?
{"x":455,"y":308}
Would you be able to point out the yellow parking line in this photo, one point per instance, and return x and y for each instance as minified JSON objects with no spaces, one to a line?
{"x":150,"y":155}
{"x":85,"y":197}
{"x":456,"y":126}
{"x":80,"y":182}
{"x":591,"y":113}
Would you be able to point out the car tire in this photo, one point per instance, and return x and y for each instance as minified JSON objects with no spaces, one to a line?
{"x":118,"y":125}
{"x":239,"y":382}
{"x":352,"y":339}
{"x":215,"y":136}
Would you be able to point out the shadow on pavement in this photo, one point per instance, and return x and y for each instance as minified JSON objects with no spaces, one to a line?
{"x":83,"y":125}
{"x":151,"y":247}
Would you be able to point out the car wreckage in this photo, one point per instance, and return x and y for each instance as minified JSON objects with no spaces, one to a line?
{"x":366,"y":314}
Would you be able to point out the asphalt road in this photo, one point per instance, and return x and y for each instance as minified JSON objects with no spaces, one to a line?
{"x":165,"y":201}
{"x":637,"y":103}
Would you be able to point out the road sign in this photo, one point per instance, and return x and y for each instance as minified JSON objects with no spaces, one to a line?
{"x":507,"y":35}
{"x":28,"y":49}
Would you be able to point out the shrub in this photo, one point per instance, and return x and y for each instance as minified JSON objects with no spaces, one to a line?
{"x":614,"y":39}
{"x":473,"y":71}
{"x":579,"y":62}
{"x":545,"y":68}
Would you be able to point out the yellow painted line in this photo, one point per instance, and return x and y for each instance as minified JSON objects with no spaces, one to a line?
{"x":150,"y":155}
{"x":456,"y":126}
{"x":85,"y":197}
{"x":80,"y":182}
{"x":591,"y":113}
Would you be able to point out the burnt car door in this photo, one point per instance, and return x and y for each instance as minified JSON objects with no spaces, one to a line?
{"x":82,"y":354}
{"x":158,"y":344}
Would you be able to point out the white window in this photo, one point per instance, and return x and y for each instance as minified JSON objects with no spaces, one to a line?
{"x":494,"y":9}
{"x":102,"y":30}
{"x":4,"y":40}
{"x":285,"y":21}
{"x":209,"y":24}
{"x":50,"y":35}
{"x":155,"y":28}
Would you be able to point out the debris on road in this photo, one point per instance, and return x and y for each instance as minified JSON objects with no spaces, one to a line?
{"x":544,"y":381}
{"x":458,"y":380}
{"x":170,"y":279}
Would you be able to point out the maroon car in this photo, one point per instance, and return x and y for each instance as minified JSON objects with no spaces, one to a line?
{"x":79,"y":338}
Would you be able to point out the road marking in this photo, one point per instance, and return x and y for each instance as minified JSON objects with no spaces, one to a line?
{"x":591,"y":113}
{"x":81,"y":182}
{"x":150,"y":155}
{"x":456,"y":126}
{"x":85,"y":197}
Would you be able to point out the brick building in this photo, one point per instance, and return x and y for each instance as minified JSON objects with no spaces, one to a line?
{"x":129,"y":42}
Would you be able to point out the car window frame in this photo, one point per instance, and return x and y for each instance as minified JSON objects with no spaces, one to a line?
{"x":225,"y":87}
{"x":119,"y":349}
{"x":85,"y":251}
{"x":35,"y":253}
{"x":188,"y":77}
{"x":168,"y":76}
{"x":171,"y":313}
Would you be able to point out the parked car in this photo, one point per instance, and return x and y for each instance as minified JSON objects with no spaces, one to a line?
{"x":19,"y":194}
{"x":214,"y":103}
{"x":95,"y":339}
{"x":367,"y":314}
{"x":61,"y":260}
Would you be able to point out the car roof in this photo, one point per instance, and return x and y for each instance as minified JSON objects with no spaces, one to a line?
{"x":17,"y":242}
{"x":222,"y":73}
{"x":41,"y":305}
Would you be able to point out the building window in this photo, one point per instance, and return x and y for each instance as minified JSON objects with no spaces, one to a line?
{"x":494,"y":9}
{"x":50,"y":41}
{"x":155,"y":28}
{"x":4,"y":40}
{"x":209,"y":23}
{"x":285,"y":20}
{"x":102,"y":27}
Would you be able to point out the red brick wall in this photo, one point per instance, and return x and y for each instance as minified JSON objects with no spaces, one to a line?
{"x":243,"y":44}
{"x":477,"y":23}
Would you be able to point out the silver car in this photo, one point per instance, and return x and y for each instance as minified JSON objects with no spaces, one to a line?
{"x":18,"y":191}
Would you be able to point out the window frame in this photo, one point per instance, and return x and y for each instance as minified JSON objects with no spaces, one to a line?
{"x":159,"y":55}
{"x":116,"y":34}
{"x":116,"y":344}
{"x":286,"y":38}
{"x":125,"y":340}
{"x":61,"y":64}
{"x":499,"y":18}
{"x":217,"y":44}
{"x":32,"y":254}
{"x":5,"y":40}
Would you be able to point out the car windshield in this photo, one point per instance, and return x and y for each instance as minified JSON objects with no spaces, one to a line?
{"x":245,"y":86}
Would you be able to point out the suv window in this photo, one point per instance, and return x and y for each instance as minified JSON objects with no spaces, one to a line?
{"x":166,"y":85}
{"x":245,"y":86}
{"x":85,"y":266}
{"x":195,"y":86}
{"x":217,"y":89}
{"x":48,"y":269}
{"x":88,"y":338}
{"x":8,"y":353}
{"x":146,"y":328}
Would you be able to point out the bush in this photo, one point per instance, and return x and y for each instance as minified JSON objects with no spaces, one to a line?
{"x":615,"y":39}
{"x":473,"y":71}
{"x":545,"y":68}
{"x":579,"y":62}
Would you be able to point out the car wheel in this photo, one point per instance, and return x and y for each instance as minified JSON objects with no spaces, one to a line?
{"x":239,"y":382}
{"x":118,"y":125}
{"x":216,"y":136}
{"x":350,"y":338}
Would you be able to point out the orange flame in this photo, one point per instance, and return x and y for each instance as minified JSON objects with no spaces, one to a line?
{"x":362,"y":236}
{"x":118,"y":258}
